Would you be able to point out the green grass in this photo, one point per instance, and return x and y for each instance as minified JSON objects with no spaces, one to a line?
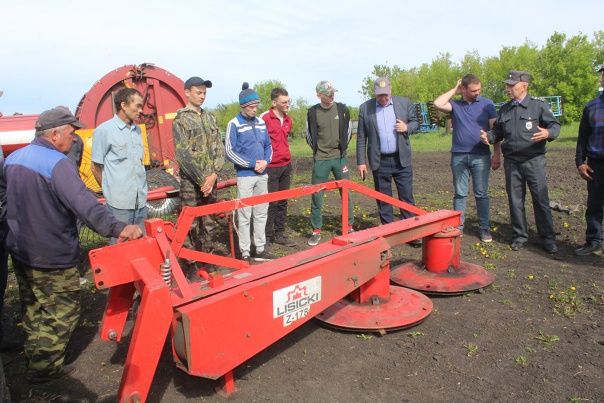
{"x":438,"y":141}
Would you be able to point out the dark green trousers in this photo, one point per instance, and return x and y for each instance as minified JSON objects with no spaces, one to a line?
{"x":320,"y":174}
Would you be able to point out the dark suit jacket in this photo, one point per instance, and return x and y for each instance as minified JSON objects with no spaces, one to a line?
{"x":368,"y":139}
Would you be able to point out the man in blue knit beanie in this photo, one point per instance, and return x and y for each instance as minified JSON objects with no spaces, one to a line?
{"x":248,"y":147}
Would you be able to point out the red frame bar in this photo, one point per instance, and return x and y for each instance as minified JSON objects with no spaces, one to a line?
{"x":226,"y":320}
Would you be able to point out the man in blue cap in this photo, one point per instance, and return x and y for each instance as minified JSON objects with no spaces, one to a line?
{"x":248,"y":147}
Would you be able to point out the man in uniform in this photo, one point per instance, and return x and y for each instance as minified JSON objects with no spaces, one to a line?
{"x":524,"y":124}
{"x":200,"y":156}
{"x":44,"y":197}
{"x":590,"y":164}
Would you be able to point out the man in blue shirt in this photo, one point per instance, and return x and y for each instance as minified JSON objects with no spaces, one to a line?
{"x":469,"y":156}
{"x":590,"y":164}
{"x":117,"y":156}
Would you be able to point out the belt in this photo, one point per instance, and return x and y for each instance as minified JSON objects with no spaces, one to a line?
{"x":385,"y":155}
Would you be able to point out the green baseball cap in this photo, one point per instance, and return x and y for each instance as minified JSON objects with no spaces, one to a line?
{"x":326,"y":88}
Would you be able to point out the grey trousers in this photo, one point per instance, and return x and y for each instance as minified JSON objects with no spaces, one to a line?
{"x":533,"y":173}
{"x":252,"y":186}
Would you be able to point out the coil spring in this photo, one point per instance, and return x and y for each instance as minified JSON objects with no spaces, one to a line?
{"x":166,"y":272}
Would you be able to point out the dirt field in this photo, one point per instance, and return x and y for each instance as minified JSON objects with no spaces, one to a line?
{"x":535,"y":335}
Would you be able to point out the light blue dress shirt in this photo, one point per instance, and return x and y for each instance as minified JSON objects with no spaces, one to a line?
{"x":386,"y":120}
{"x":119,"y":148}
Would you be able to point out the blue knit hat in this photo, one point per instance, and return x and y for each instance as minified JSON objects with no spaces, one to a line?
{"x":248,"y":96}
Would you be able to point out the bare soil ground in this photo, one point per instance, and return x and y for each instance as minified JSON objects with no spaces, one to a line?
{"x":535,"y":335}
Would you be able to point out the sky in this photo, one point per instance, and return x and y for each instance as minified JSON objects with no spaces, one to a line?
{"x":52,"y":52}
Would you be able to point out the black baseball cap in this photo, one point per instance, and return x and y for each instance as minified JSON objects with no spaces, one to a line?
{"x":197,"y":82}
{"x":55,"y":117}
{"x":516,"y":76}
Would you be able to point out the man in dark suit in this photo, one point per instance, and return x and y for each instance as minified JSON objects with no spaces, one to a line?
{"x":385,"y":123}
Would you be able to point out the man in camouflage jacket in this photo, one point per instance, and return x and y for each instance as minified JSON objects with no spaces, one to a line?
{"x":200,"y":155}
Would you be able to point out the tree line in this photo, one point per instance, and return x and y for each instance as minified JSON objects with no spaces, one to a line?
{"x":564,"y":66}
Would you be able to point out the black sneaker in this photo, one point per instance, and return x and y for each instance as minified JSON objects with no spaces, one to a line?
{"x":284,"y":240}
{"x":485,"y":235}
{"x":314,"y":239}
{"x":43,"y":378}
{"x":516,"y":245}
{"x":550,"y":248}
{"x":264,"y":256}
{"x":588,"y":248}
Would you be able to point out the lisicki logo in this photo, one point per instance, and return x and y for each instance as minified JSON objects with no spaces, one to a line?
{"x":294,"y":302}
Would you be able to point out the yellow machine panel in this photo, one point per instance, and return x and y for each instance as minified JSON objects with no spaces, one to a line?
{"x":86,"y":164}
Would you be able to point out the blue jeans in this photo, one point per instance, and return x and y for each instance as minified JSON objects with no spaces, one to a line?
{"x":478,"y":166}
{"x":136,"y":216}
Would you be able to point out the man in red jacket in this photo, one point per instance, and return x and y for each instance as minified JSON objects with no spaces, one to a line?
{"x":278,"y":125}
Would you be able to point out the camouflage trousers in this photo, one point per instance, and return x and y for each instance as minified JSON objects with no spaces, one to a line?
{"x":203,"y":228}
{"x":51,"y":303}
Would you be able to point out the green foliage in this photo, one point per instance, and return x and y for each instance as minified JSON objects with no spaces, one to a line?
{"x":566,"y":302}
{"x":264,"y":89}
{"x":567,"y":70}
{"x":472,"y":349}
{"x":564,"y":66}
{"x":547,"y":339}
{"x":297,"y":111}
{"x":224,"y":113}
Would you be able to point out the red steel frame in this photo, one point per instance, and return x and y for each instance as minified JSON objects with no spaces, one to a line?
{"x":223,"y":320}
